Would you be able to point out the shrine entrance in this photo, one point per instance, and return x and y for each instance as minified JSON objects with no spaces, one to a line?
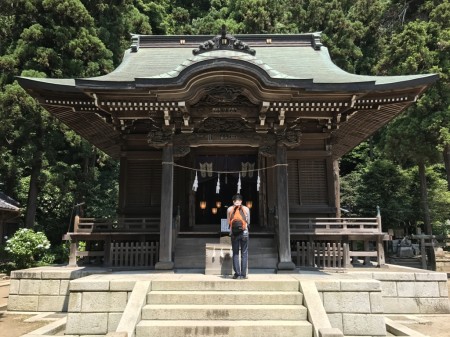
{"x":222,"y":172}
{"x":219,"y":182}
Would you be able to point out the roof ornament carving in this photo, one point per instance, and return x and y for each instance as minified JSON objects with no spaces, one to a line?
{"x":135,"y":42}
{"x":289,"y":138}
{"x":224,"y":95}
{"x":224,"y":41}
{"x":159,"y":138}
{"x":181,"y":150}
{"x":317,"y":43}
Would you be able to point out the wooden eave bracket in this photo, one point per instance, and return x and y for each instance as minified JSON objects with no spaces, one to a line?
{"x":282,"y":116}
{"x":185,"y":127}
{"x":262,"y":127}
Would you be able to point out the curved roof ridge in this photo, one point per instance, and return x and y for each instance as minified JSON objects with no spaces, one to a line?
{"x":223,"y":54}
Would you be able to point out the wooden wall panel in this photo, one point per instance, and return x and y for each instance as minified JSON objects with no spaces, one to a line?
{"x":308,"y":183}
{"x":143,"y":187}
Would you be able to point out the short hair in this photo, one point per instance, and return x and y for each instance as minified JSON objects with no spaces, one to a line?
{"x":237,"y":197}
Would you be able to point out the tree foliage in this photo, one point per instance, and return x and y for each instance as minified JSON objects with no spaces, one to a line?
{"x":49,"y":168}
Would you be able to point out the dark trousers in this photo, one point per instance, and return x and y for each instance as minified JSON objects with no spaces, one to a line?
{"x":240,"y":242}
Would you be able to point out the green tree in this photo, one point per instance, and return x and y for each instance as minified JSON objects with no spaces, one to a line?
{"x":61,"y":41}
{"x":376,"y":179}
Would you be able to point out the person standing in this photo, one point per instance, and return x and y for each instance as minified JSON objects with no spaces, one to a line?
{"x":238,"y":217}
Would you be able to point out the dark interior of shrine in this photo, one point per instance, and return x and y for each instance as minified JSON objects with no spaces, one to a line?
{"x":210,"y":206}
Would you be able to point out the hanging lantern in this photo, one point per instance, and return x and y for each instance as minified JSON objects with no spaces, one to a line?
{"x":218,"y":204}
{"x":214,"y":210}
{"x":202,"y":204}
{"x":249,"y":204}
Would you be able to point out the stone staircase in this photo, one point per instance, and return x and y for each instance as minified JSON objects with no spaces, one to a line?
{"x":258,"y":308}
{"x":190,"y":253}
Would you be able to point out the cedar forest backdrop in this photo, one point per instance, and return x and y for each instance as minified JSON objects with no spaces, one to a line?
{"x":404,"y":168}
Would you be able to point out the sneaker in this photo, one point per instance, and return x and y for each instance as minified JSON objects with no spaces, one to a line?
{"x":235,"y":276}
{"x":244,"y":277}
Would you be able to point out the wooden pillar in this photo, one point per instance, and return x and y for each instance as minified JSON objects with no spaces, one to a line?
{"x":380,"y":249}
{"x":107,"y":250}
{"x":367,"y":248}
{"x":380,"y":253}
{"x":165,"y":229}
{"x":123,"y":184}
{"x":337,"y":192}
{"x":284,"y":236}
{"x":73,"y":253}
{"x":2,"y":234}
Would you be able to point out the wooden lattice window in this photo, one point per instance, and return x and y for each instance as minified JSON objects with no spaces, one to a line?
{"x":308,"y":182}
{"x":144,"y":183}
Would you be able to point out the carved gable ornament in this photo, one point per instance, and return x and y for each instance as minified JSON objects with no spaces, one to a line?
{"x":224,"y":95}
{"x":224,"y":41}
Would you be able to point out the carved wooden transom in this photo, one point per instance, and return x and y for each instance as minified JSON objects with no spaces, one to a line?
{"x":221,"y":95}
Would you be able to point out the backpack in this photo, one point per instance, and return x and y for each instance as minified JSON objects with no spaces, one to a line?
{"x":237,"y":220}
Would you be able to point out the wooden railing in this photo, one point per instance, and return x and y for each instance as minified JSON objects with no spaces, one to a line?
{"x":343,"y":226}
{"x":321,"y":255}
{"x":346,"y":231}
{"x":134,"y":254}
{"x":91,"y":225}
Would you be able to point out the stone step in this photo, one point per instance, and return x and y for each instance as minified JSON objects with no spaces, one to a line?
{"x":406,"y":262}
{"x":223,"y":312}
{"x":253,"y":252}
{"x":253,"y":263}
{"x":214,"y":297}
{"x":198,"y":245}
{"x":239,"y":328}
{"x":254,"y":283}
{"x":195,"y":250}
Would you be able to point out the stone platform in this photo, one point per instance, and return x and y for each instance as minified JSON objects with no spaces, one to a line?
{"x":100,"y":301}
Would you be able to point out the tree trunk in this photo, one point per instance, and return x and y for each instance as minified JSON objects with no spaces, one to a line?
{"x":446,"y":154}
{"x":33,"y":190}
{"x":424,"y":198}
{"x":431,"y":258}
{"x":36,"y":168}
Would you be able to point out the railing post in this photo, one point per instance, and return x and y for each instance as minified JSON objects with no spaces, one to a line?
{"x":347,"y":263}
{"x":380,"y":252}
{"x":380,"y":248}
{"x":76,"y":223}
{"x":379,"y":219}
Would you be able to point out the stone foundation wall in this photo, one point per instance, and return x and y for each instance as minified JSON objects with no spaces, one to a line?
{"x":44,"y":288}
{"x":353,"y":306}
{"x":443,"y":264}
{"x":96,"y":304}
{"x":411,"y":292}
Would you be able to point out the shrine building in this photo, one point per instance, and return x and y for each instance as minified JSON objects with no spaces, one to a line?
{"x":195,"y":119}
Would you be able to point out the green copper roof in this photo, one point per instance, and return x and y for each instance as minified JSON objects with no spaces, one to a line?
{"x":299,"y":62}
{"x":278,"y":62}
